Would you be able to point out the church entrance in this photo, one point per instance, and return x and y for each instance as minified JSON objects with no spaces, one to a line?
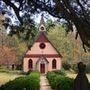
{"x":42,"y":68}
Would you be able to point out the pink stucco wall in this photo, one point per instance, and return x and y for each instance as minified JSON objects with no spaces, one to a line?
{"x":25,"y":64}
{"x":36,"y":50}
{"x":58,"y":67}
{"x":48,"y":68}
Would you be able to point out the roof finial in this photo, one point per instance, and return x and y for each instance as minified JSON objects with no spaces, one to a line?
{"x":42,"y":22}
{"x":42,"y":15}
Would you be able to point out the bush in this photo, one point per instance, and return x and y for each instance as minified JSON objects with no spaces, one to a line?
{"x":64,"y":83}
{"x":66,"y":66}
{"x":60,"y":82}
{"x":60,"y":72}
{"x":88,"y":68}
{"x":33,"y":81}
{"x":75,"y":68}
{"x":30,"y":82}
{"x":27,"y":73}
{"x":14,"y":85}
{"x":51,"y":77}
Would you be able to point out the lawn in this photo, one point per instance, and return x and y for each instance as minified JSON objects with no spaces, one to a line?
{"x":5,"y":77}
{"x":8,"y":74}
{"x":72,"y":75}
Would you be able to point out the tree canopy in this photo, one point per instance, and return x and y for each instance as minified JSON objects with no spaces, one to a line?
{"x":74,"y":12}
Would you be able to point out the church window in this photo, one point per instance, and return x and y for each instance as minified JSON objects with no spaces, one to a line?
{"x":42,"y":45}
{"x":30,"y":64}
{"x":54,"y":64}
{"x":42,"y":28}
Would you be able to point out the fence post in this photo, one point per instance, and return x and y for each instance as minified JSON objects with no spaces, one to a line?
{"x":81,"y":82}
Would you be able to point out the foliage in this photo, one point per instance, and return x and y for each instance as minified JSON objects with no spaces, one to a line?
{"x":66,"y":66}
{"x":64,"y":83}
{"x":60,"y":72}
{"x":8,"y":75}
{"x":7,"y":56}
{"x":88,"y":68}
{"x":28,"y":72}
{"x":49,"y":25}
{"x":4,"y":69}
{"x":13,"y":50}
{"x":68,"y":47}
{"x":30,"y":82}
{"x":51,"y":77}
{"x":73,"y":12}
{"x":25,"y":32}
{"x":60,"y":82}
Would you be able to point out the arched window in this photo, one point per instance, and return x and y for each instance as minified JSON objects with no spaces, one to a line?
{"x":30,"y":64}
{"x":54,"y":64}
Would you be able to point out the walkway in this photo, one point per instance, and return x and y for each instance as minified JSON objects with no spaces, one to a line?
{"x":44,"y":85}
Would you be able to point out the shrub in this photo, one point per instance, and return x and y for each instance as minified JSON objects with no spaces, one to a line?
{"x":64,"y":83}
{"x":27,"y":73}
{"x":66,"y":66}
{"x":33,"y":81}
{"x":30,"y":82}
{"x":60,"y":82}
{"x":88,"y":68}
{"x":74,"y":67}
{"x":60,"y":72}
{"x":14,"y":85}
{"x":51,"y":77}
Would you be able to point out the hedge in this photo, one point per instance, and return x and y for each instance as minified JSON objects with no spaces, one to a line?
{"x":60,"y":82}
{"x":29,"y":82}
{"x":60,"y":72}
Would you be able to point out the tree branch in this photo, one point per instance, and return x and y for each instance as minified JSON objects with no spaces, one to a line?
{"x":76,"y":35}
{"x":8,"y":2}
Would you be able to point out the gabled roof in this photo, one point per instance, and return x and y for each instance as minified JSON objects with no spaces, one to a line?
{"x":42,"y":57}
{"x":41,"y":37}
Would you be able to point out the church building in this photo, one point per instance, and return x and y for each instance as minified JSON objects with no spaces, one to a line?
{"x":42,"y":56}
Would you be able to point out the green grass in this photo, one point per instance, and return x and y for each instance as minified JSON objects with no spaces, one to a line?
{"x":29,"y":82}
{"x":73,"y":75}
{"x":5,"y":77}
{"x":4,"y":69}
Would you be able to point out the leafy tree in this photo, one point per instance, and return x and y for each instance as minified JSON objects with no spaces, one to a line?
{"x":8,"y":56}
{"x":69,"y":48}
{"x":13,"y":51}
{"x":26,"y":32}
{"x":12,"y":48}
{"x":2,"y":30}
{"x":74,"y":12}
{"x":18,"y":46}
{"x":49,"y":24}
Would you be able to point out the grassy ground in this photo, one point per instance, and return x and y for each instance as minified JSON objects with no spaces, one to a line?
{"x":7,"y":74}
{"x":72,"y":75}
{"x":11,"y":75}
{"x":5,"y":77}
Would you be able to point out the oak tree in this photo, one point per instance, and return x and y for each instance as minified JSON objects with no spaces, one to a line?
{"x":74,"y":12}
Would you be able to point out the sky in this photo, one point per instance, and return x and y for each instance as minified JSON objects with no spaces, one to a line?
{"x":14,"y":19}
{"x":46,"y":17}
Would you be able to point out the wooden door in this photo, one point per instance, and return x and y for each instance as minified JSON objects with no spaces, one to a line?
{"x":42,"y":68}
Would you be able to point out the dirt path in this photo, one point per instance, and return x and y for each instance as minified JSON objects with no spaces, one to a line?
{"x":44,"y":85}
